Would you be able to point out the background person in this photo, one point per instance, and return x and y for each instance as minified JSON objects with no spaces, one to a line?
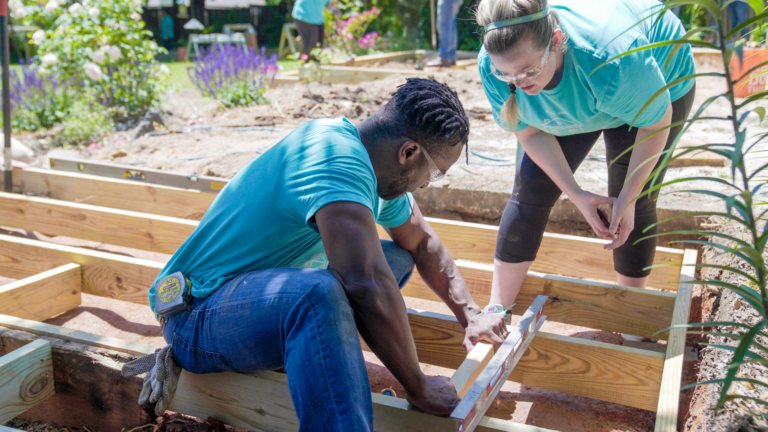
{"x":447,"y":11}
{"x":310,"y":23}
{"x":536,"y":66}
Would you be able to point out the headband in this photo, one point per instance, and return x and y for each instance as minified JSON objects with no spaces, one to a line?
{"x":518,"y":20}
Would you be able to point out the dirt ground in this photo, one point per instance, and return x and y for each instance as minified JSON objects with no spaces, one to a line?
{"x":204,"y":140}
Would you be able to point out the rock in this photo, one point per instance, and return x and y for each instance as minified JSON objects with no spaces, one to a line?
{"x":19,"y":151}
{"x":147,"y":124}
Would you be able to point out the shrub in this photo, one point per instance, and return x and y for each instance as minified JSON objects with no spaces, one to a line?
{"x":100,"y":45}
{"x":234,"y":75}
{"x":350,"y":35}
{"x":38,"y":100}
{"x":87,"y":122}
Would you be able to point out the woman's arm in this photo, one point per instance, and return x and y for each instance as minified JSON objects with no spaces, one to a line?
{"x":623,"y":218}
{"x":545,"y":151}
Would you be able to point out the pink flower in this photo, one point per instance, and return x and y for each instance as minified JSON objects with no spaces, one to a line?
{"x":383,"y":45}
{"x":374,"y":35}
{"x":304,"y":57}
{"x":349,"y":36}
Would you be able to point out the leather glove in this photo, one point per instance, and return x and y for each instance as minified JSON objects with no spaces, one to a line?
{"x":161,"y":379}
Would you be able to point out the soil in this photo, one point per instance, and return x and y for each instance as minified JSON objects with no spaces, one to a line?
{"x":203,"y":139}
{"x":723,"y":305}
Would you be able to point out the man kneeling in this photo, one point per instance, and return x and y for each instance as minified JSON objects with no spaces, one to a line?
{"x":287,"y":267}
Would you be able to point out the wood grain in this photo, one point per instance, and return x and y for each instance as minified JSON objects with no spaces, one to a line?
{"x":613,"y":373}
{"x":669,"y":395}
{"x":107,"y":192}
{"x":103,"y":274}
{"x":471,"y":367}
{"x":596,"y":305}
{"x":559,"y":254}
{"x":89,"y":388}
{"x":44,"y":295}
{"x":106,"y":225}
{"x":26,"y":378}
{"x":259,"y":402}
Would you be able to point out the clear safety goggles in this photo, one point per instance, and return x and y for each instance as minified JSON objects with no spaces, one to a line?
{"x":434,"y":172}
{"x":528,"y":75}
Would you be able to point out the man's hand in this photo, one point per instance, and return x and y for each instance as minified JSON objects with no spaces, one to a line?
{"x":485,"y":328}
{"x":439,"y":396}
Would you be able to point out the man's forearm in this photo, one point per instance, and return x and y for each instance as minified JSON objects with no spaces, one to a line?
{"x":439,"y":271}
{"x":382,"y":320}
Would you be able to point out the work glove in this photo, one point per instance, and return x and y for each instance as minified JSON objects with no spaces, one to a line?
{"x":161,"y":379}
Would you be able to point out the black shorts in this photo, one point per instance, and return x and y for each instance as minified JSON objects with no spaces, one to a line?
{"x":534,"y":194}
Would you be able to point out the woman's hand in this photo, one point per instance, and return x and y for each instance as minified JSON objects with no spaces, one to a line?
{"x":587,"y":203}
{"x":622,"y":220}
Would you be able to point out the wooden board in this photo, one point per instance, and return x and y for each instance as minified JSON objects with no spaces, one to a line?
{"x":103,"y":274}
{"x":597,"y":305}
{"x":376,"y":58}
{"x":44,"y":295}
{"x":118,"y":227}
{"x":258,"y":402}
{"x":26,"y":378}
{"x":559,"y":254}
{"x":613,"y":373}
{"x":669,"y":396}
{"x":107,"y":192}
{"x":89,"y":389}
{"x":471,"y":367}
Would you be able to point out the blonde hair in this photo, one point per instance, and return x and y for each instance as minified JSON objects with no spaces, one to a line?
{"x":501,"y":40}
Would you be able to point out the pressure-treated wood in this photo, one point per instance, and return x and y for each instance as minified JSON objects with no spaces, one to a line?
{"x":376,"y":58}
{"x":26,"y":378}
{"x":113,"y":193}
{"x":44,"y":295}
{"x":471,"y":367}
{"x":613,"y":373}
{"x":259,"y":401}
{"x":89,"y":388}
{"x":118,"y":227}
{"x":558,"y":254}
{"x":103,"y":274}
{"x":591,"y":304}
{"x":669,"y":396}
{"x":8,"y":429}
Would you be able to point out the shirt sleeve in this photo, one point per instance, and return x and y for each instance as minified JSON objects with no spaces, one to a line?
{"x":340,"y":177}
{"x":395,"y":212}
{"x":637,"y":78}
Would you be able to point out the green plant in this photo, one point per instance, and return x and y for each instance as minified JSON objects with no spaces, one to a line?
{"x":738,"y":192}
{"x":100,"y":45}
{"x":87,"y":122}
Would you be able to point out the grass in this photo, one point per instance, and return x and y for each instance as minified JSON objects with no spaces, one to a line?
{"x":180,"y":76}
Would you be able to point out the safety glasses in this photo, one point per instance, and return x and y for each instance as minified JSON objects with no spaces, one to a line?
{"x":528,"y":75}
{"x":434,"y":172}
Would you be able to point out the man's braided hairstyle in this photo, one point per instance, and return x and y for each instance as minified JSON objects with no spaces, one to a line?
{"x":430,"y":113}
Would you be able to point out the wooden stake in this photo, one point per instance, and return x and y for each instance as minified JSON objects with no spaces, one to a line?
{"x":26,"y":378}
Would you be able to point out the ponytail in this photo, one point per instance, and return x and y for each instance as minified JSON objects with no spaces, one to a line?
{"x":509,"y":110}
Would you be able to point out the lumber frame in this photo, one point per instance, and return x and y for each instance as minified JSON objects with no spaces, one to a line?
{"x":44,"y":295}
{"x":26,"y":378}
{"x":612,"y":373}
{"x":259,"y":401}
{"x":558,"y":254}
{"x":669,"y":395}
{"x":586,"y":303}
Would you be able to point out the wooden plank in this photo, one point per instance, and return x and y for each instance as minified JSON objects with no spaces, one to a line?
{"x":44,"y":295}
{"x":89,"y":388}
{"x":26,"y":378}
{"x":376,"y":58}
{"x":113,"y":193}
{"x":669,"y":395}
{"x":559,"y":254}
{"x":103,"y":274}
{"x":9,"y":429}
{"x":596,"y":305}
{"x":356,"y":75}
{"x":613,"y":373}
{"x":471,"y":367}
{"x":258,"y":402}
{"x":118,"y":227}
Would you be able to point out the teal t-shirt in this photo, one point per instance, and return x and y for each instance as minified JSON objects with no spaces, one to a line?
{"x":599,"y":30}
{"x":309,"y":11}
{"x":262,"y":218}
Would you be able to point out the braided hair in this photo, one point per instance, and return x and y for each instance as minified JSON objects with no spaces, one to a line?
{"x":430,"y":113}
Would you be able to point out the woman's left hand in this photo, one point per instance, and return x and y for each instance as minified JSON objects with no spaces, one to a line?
{"x":622,"y":220}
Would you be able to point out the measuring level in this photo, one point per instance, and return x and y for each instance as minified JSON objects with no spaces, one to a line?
{"x":127,"y":172}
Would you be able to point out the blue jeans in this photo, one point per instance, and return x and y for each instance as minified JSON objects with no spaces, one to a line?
{"x":447,"y":10}
{"x":739,"y":13}
{"x":299,"y":319}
